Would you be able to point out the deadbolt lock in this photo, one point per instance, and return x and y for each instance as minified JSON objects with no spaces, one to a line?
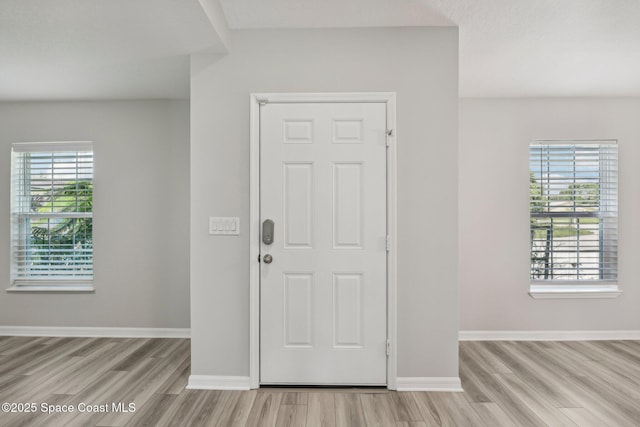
{"x":267,"y":232}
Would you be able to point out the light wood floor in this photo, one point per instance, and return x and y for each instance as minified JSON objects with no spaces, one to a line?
{"x":506,"y":384}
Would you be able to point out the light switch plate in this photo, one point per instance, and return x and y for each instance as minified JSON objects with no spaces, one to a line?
{"x":224,"y":225}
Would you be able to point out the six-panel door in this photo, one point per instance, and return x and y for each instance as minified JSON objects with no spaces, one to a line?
{"x":323,"y":296}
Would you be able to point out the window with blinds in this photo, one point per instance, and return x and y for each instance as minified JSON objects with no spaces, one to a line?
{"x":52,"y":213}
{"x":573,"y":201}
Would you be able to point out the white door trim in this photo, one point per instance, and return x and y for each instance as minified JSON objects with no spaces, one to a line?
{"x":389,"y":98}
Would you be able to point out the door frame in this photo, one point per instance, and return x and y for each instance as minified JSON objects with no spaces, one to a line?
{"x":258,"y":99}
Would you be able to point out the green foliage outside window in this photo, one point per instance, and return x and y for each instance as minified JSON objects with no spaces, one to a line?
{"x":60,"y":240}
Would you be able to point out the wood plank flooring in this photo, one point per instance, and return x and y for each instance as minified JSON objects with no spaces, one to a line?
{"x":506,"y":383}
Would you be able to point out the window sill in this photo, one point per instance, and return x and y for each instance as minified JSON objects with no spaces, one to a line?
{"x":50,"y":288}
{"x":604,"y":290}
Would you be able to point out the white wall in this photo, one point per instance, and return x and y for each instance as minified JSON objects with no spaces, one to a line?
{"x":420,"y":64}
{"x":494,"y":211}
{"x":141,"y":202}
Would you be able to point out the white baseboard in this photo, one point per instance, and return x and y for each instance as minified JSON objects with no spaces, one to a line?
{"x":218,"y":382}
{"x":54,"y":331}
{"x":428,"y":384}
{"x":547,"y":335}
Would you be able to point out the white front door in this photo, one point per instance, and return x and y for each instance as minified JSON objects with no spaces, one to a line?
{"x":323,"y":305}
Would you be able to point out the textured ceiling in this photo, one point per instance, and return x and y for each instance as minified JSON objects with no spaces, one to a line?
{"x":330,"y":13}
{"x":507,"y":47}
{"x":109,"y":49}
{"x":99,"y":49}
{"x":547,"y":47}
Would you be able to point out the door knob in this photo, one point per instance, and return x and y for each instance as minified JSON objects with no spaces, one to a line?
{"x":268,"y":259}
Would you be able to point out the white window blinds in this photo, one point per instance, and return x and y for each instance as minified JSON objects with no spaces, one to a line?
{"x":573,"y":200}
{"x":52,"y":213}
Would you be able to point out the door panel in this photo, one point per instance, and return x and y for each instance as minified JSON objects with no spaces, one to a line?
{"x":298,"y":206}
{"x":347,"y":303}
{"x":298,"y":303}
{"x":323,"y":297}
{"x":347,"y":201}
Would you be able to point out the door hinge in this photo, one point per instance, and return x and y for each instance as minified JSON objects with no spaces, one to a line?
{"x":389,"y":135}
{"x":388,"y":347}
{"x":388,"y":243}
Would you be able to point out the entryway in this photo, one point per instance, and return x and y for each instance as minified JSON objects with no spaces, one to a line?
{"x":322,"y":229}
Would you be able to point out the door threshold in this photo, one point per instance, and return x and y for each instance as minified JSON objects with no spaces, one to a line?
{"x":305,"y":388}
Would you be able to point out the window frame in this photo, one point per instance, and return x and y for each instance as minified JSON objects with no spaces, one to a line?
{"x":576,"y":288}
{"x":19,"y":280}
